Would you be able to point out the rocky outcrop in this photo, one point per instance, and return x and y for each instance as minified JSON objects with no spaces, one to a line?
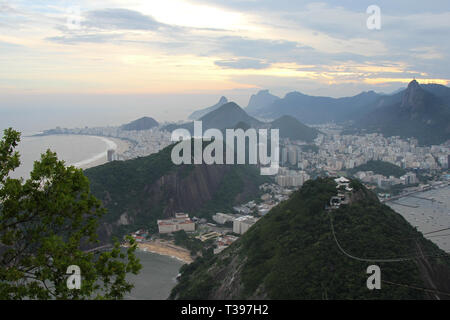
{"x":188,"y":193}
{"x":150,"y":195}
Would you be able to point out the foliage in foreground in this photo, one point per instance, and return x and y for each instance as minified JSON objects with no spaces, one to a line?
{"x":46,"y":223}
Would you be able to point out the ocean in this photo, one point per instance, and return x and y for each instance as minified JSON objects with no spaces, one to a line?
{"x":156,"y":278}
{"x":75,"y":150}
{"x":427,"y":215}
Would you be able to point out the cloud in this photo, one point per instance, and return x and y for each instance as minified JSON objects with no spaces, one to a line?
{"x":242,"y":64}
{"x":403,"y":7}
{"x":5,"y":8}
{"x":299,"y":42}
{"x":84,"y":38}
{"x":120,"y":19}
{"x":264,"y":49}
{"x":9,"y":46}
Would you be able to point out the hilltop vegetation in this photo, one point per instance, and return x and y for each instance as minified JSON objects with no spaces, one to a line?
{"x":379,"y":167}
{"x":291,"y":253}
{"x":232,"y":116}
{"x":293,"y":129}
{"x":138,"y":192}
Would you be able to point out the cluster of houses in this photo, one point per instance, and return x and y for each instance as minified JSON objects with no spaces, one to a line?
{"x":140,"y":235}
{"x":273,"y":195}
{"x":221,"y":241}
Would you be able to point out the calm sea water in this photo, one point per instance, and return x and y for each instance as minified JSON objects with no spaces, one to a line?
{"x":158,"y":274}
{"x":427,"y":215}
{"x":156,"y":278}
{"x":73,"y":149}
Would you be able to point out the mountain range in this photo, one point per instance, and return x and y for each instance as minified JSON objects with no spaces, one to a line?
{"x":420,"y":112}
{"x":301,"y":250}
{"x":231,"y":116}
{"x":311,"y":109}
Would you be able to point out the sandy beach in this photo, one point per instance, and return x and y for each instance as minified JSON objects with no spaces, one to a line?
{"x":166,"y":249}
{"x":122,"y":146}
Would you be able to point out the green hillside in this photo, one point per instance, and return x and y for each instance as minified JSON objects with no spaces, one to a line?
{"x":380,"y":167}
{"x":293,"y":129}
{"x":291,"y":254}
{"x":140,"y":191}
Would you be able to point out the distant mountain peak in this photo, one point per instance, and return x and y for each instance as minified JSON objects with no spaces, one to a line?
{"x":230,"y":105}
{"x":414,"y":96}
{"x":293,"y":129}
{"x":229,"y":108}
{"x":228,"y":116}
{"x":200,"y":113}
{"x":144,"y":123}
{"x":223,"y":100}
{"x":261,"y":100}
{"x":413,"y":84}
{"x":419,"y":111}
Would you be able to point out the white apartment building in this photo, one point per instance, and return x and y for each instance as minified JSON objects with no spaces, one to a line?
{"x":242,"y":224}
{"x":180,"y":222}
{"x":222,"y":218}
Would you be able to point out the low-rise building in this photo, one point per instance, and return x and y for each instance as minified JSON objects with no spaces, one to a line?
{"x":180,"y":222}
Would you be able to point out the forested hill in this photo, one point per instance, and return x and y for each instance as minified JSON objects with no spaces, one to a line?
{"x":138,"y":192}
{"x":291,"y":253}
{"x":380,"y":167}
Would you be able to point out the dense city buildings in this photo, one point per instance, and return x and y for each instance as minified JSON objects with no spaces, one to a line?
{"x":333,"y":152}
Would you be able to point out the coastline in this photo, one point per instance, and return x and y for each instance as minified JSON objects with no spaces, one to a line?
{"x":166,"y":249}
{"x":119,"y":145}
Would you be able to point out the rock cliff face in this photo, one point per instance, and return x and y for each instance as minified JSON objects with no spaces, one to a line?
{"x":186,"y":194}
{"x":138,"y":192}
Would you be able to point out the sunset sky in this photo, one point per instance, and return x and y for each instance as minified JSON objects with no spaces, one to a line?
{"x":220,"y":46}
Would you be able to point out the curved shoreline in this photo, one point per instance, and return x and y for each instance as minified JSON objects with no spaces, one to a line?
{"x":166,"y":249}
{"x":117,"y":144}
{"x":110,"y":145}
